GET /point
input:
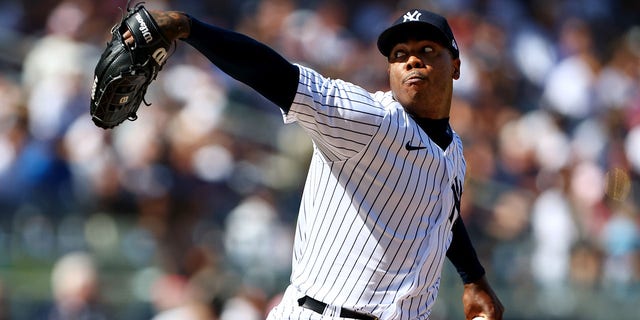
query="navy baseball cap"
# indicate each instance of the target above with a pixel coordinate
(418, 23)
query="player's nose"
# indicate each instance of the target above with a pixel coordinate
(414, 62)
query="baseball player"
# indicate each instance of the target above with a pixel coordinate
(381, 203)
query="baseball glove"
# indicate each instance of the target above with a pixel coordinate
(123, 73)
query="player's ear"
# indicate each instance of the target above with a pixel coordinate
(455, 74)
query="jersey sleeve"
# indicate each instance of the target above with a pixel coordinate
(340, 117)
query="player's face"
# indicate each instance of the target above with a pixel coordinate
(421, 74)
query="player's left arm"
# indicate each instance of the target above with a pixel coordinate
(478, 298)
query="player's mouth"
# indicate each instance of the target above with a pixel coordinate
(413, 77)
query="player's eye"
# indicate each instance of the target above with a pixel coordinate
(399, 54)
(428, 49)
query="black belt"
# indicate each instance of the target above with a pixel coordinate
(319, 307)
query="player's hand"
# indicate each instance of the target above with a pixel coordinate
(174, 25)
(479, 300)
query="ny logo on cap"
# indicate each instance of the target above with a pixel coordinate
(415, 16)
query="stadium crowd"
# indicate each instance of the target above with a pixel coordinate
(188, 212)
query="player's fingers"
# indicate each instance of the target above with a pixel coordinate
(128, 38)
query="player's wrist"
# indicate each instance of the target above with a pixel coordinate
(472, 272)
(184, 25)
(480, 282)
(174, 24)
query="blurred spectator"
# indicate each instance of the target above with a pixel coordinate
(174, 300)
(257, 244)
(76, 289)
(569, 85)
(249, 304)
(54, 75)
(586, 265)
(621, 239)
(554, 233)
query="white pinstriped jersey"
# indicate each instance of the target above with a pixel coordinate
(378, 204)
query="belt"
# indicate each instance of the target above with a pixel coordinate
(319, 307)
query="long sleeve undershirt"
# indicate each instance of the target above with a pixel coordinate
(271, 75)
(247, 61)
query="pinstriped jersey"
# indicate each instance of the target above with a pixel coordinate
(378, 203)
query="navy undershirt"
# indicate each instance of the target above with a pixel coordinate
(438, 130)
(275, 78)
(247, 61)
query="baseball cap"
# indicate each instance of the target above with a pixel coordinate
(421, 23)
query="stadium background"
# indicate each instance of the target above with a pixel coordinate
(194, 203)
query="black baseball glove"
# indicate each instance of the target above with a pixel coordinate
(124, 72)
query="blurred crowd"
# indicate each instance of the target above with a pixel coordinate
(188, 212)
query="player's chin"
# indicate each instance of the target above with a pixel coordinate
(415, 95)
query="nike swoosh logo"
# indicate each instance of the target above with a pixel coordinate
(409, 147)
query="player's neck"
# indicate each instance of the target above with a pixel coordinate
(438, 130)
